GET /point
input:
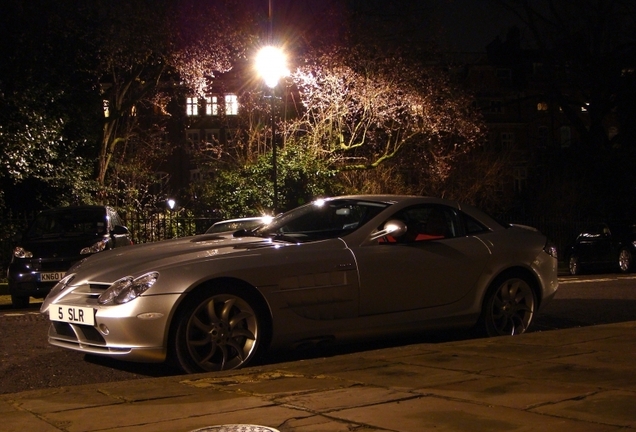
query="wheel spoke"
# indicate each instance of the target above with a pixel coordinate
(243, 333)
(227, 309)
(200, 325)
(238, 318)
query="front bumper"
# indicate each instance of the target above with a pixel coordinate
(135, 331)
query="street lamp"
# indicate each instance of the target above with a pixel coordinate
(271, 64)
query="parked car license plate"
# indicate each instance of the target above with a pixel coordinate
(72, 314)
(50, 276)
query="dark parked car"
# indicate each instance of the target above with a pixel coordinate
(603, 247)
(57, 239)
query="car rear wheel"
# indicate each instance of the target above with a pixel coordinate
(625, 260)
(216, 331)
(509, 306)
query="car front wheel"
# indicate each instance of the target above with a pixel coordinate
(216, 331)
(509, 306)
(574, 266)
(625, 261)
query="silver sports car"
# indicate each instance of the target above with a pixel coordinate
(337, 270)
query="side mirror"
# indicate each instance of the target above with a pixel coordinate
(394, 227)
(120, 230)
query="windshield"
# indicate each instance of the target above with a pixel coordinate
(68, 223)
(321, 219)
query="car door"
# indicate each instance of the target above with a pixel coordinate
(427, 268)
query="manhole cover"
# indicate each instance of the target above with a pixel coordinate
(236, 428)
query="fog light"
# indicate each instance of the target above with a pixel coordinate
(103, 329)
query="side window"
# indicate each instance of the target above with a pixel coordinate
(114, 219)
(472, 226)
(426, 222)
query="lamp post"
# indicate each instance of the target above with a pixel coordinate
(271, 65)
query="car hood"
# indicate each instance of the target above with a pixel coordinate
(135, 260)
(59, 246)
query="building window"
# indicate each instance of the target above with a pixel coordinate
(231, 104)
(233, 136)
(192, 106)
(507, 140)
(194, 139)
(195, 175)
(542, 106)
(566, 136)
(212, 105)
(543, 136)
(212, 136)
(106, 108)
(504, 76)
(520, 176)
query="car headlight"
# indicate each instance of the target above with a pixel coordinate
(20, 252)
(127, 289)
(97, 247)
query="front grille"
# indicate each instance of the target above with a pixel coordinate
(76, 333)
(86, 293)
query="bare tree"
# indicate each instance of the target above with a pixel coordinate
(363, 108)
(143, 45)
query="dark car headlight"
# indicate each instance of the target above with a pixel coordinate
(127, 289)
(20, 252)
(97, 247)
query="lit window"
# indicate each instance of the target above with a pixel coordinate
(231, 104)
(106, 108)
(212, 105)
(542, 106)
(192, 106)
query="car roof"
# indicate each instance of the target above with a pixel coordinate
(78, 207)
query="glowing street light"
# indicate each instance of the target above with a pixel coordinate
(271, 64)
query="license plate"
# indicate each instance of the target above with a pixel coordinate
(72, 314)
(50, 276)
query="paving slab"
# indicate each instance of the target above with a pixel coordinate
(440, 415)
(579, 379)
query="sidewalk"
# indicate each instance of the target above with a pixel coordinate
(580, 379)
